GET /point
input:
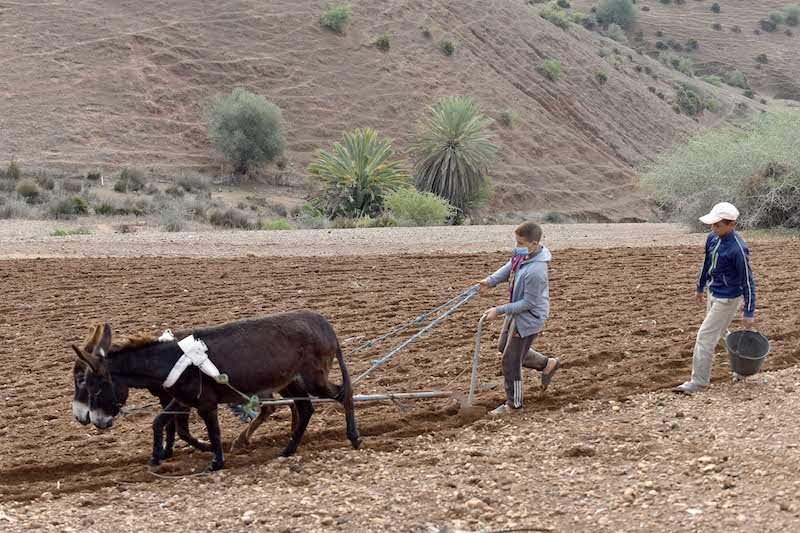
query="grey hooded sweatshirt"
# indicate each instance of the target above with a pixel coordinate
(530, 302)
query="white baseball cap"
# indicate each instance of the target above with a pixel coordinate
(721, 211)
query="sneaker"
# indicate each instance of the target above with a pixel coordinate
(549, 371)
(689, 388)
(500, 411)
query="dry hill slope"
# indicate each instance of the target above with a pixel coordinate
(104, 84)
(735, 46)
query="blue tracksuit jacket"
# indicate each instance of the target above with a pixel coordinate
(726, 270)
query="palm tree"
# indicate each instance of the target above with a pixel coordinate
(453, 151)
(356, 176)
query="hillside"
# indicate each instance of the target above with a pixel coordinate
(735, 45)
(104, 84)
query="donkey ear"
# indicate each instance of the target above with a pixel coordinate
(87, 358)
(104, 343)
(93, 338)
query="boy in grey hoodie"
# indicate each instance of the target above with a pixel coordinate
(526, 312)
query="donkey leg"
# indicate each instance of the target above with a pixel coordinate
(209, 416)
(243, 440)
(169, 445)
(343, 394)
(182, 427)
(300, 423)
(158, 433)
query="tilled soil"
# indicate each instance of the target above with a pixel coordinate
(623, 323)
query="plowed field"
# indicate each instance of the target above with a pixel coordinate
(623, 322)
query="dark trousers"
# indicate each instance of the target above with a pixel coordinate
(517, 353)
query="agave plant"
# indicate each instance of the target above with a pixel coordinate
(453, 150)
(357, 175)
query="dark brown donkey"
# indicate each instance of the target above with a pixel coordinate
(290, 353)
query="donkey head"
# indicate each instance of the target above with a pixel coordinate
(97, 398)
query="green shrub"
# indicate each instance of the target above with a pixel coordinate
(757, 168)
(172, 220)
(716, 81)
(690, 99)
(46, 182)
(140, 206)
(278, 224)
(68, 232)
(337, 18)
(777, 17)
(551, 69)
(584, 20)
(382, 42)
(357, 175)
(68, 208)
(601, 77)
(712, 105)
(230, 218)
(563, 4)
(426, 32)
(734, 78)
(28, 190)
(247, 129)
(344, 223)
(309, 217)
(129, 180)
(16, 209)
(615, 32)
(620, 12)
(692, 45)
(792, 13)
(763, 101)
(193, 183)
(716, 26)
(715, 8)
(414, 208)
(175, 191)
(749, 93)
(453, 150)
(762, 59)
(447, 47)
(94, 175)
(555, 15)
(13, 171)
(768, 25)
(604, 52)
(509, 119)
(110, 207)
(681, 64)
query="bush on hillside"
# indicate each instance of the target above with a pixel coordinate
(691, 99)
(555, 15)
(382, 42)
(414, 208)
(129, 180)
(716, 26)
(247, 129)
(68, 208)
(448, 47)
(734, 78)
(70, 185)
(337, 18)
(757, 169)
(12, 171)
(563, 4)
(601, 77)
(692, 45)
(768, 25)
(230, 218)
(792, 13)
(193, 183)
(716, 8)
(616, 33)
(550, 68)
(508, 119)
(716, 81)
(620, 12)
(28, 190)
(762, 59)
(681, 64)
(777, 17)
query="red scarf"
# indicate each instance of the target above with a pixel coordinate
(516, 261)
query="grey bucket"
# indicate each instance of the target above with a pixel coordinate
(747, 349)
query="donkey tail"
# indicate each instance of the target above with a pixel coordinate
(346, 392)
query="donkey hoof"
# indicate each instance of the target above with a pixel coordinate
(215, 465)
(153, 465)
(240, 445)
(167, 454)
(357, 443)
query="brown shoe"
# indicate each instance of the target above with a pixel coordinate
(553, 364)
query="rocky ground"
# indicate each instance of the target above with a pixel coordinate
(723, 461)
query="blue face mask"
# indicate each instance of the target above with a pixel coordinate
(521, 250)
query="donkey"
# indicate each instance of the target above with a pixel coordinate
(82, 412)
(290, 353)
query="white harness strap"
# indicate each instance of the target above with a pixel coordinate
(195, 352)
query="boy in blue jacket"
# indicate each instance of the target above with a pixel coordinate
(727, 275)
(526, 312)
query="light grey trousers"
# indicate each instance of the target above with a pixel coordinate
(720, 312)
